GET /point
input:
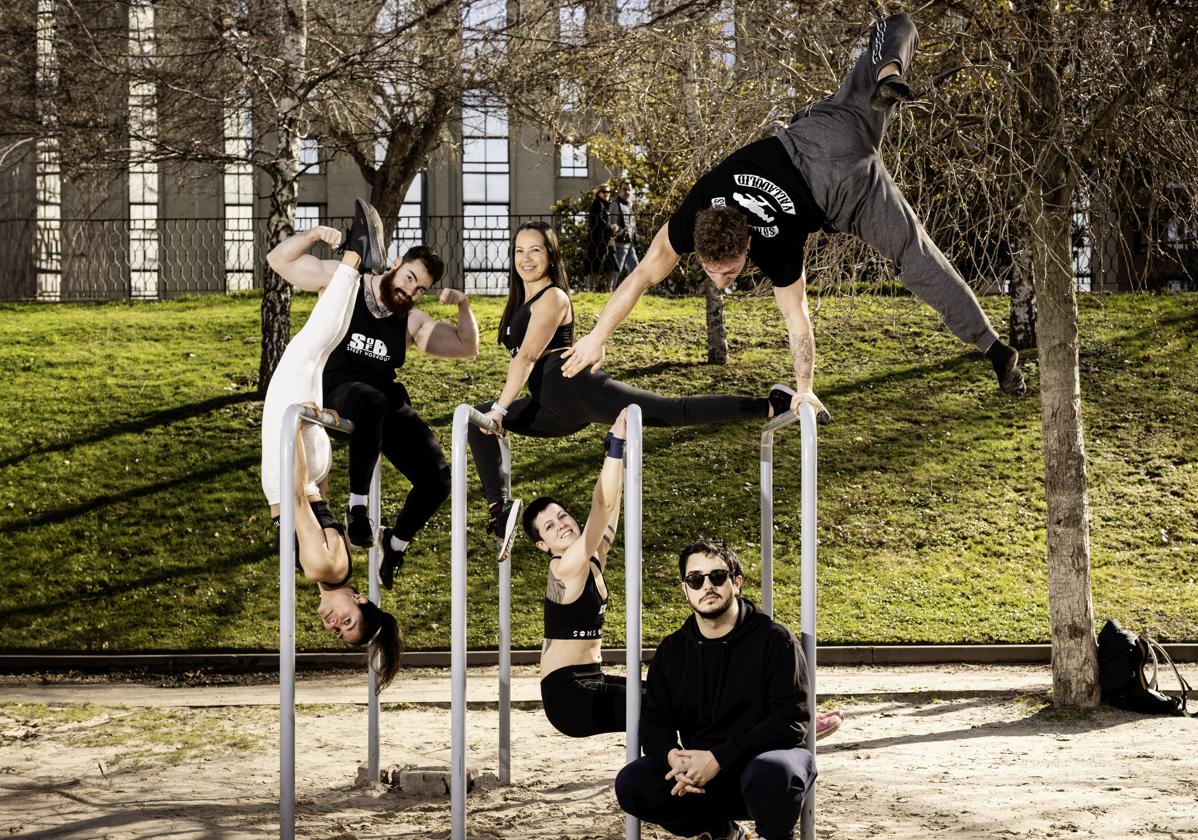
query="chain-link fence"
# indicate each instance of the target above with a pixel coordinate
(115, 259)
(97, 260)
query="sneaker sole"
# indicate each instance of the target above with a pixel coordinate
(820, 734)
(778, 386)
(374, 234)
(509, 531)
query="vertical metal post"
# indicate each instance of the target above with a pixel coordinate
(457, 759)
(767, 523)
(287, 625)
(372, 699)
(767, 508)
(505, 636)
(633, 460)
(809, 462)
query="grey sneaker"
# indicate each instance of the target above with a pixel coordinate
(733, 831)
(365, 238)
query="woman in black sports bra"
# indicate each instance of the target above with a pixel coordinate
(578, 698)
(536, 325)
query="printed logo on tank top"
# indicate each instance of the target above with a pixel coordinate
(375, 348)
(587, 634)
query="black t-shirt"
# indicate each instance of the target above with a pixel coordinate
(762, 182)
(371, 350)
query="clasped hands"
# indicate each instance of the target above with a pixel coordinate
(690, 770)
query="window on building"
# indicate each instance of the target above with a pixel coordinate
(308, 216)
(47, 254)
(143, 171)
(574, 162)
(485, 198)
(239, 202)
(1083, 252)
(309, 157)
(633, 12)
(572, 18)
(409, 228)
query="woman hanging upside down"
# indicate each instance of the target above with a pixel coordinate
(322, 550)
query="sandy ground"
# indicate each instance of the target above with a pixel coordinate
(907, 764)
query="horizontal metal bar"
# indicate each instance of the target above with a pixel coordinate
(328, 419)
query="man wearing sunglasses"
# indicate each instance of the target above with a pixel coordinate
(724, 714)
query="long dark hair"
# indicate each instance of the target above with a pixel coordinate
(384, 641)
(515, 286)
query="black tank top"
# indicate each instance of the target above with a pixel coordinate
(371, 350)
(513, 337)
(582, 618)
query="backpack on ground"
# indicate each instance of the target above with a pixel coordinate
(1122, 659)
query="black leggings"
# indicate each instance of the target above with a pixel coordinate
(384, 421)
(559, 406)
(581, 700)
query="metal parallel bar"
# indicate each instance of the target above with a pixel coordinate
(287, 624)
(767, 507)
(462, 415)
(457, 659)
(633, 462)
(372, 699)
(505, 636)
(292, 415)
(808, 574)
(321, 417)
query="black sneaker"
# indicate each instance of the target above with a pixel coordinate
(779, 399)
(392, 561)
(365, 238)
(358, 527)
(1006, 367)
(889, 91)
(502, 524)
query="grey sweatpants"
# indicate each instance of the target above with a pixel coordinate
(835, 145)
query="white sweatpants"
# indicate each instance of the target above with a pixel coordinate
(298, 377)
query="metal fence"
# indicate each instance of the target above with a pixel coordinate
(109, 259)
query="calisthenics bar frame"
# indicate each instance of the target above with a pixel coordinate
(295, 414)
(465, 415)
(809, 461)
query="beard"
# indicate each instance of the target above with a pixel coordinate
(714, 612)
(389, 295)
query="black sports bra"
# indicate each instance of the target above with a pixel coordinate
(513, 337)
(582, 618)
(327, 520)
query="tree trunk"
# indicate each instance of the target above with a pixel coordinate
(276, 292)
(1074, 648)
(1023, 294)
(290, 16)
(717, 337)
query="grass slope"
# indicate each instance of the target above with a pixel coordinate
(132, 517)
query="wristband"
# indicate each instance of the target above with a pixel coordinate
(614, 446)
(498, 409)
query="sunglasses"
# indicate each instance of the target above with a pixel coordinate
(718, 578)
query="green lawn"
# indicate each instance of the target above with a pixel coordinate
(132, 517)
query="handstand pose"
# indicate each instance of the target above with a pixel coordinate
(322, 552)
(538, 323)
(825, 169)
(359, 381)
(579, 699)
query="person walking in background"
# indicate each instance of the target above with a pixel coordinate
(599, 236)
(622, 221)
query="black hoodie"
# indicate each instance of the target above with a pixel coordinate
(737, 696)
